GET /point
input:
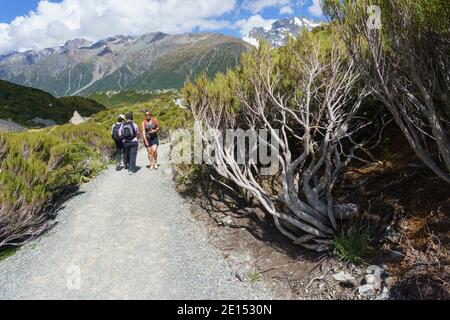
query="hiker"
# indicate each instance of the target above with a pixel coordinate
(119, 154)
(130, 135)
(150, 127)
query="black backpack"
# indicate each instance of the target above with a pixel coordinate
(115, 132)
(128, 131)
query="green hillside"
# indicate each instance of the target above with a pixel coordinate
(218, 54)
(22, 104)
(112, 99)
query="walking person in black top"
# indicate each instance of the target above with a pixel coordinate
(150, 127)
(119, 154)
(130, 136)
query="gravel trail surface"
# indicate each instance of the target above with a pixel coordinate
(124, 237)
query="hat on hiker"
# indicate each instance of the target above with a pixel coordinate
(122, 117)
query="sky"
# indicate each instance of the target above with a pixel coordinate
(38, 24)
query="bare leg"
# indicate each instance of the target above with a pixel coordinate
(150, 155)
(155, 155)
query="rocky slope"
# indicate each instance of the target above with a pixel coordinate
(10, 126)
(151, 61)
(277, 34)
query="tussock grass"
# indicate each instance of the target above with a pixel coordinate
(353, 245)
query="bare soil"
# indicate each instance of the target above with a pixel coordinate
(408, 207)
(254, 248)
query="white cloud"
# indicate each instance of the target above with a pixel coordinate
(245, 25)
(53, 23)
(286, 10)
(315, 8)
(256, 6)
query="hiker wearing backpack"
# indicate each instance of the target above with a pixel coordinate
(130, 135)
(119, 154)
(150, 127)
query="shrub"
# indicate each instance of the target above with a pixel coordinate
(36, 166)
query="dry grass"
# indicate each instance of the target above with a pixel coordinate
(426, 263)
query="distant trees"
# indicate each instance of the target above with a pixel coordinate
(307, 97)
(406, 64)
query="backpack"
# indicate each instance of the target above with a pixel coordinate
(115, 132)
(128, 131)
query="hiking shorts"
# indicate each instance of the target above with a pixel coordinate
(152, 141)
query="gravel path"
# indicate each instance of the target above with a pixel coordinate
(124, 237)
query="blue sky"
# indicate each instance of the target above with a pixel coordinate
(11, 9)
(36, 24)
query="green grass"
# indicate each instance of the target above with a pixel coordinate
(113, 99)
(254, 277)
(6, 253)
(354, 245)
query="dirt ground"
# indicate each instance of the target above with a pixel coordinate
(411, 206)
(408, 207)
(257, 252)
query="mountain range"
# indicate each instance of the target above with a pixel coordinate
(277, 33)
(150, 61)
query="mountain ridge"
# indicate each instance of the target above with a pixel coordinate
(277, 33)
(121, 62)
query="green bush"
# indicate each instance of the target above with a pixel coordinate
(36, 166)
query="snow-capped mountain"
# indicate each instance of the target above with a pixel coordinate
(150, 61)
(277, 33)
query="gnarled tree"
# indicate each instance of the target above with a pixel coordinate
(405, 61)
(307, 99)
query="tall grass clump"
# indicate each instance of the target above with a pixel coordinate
(37, 166)
(354, 245)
